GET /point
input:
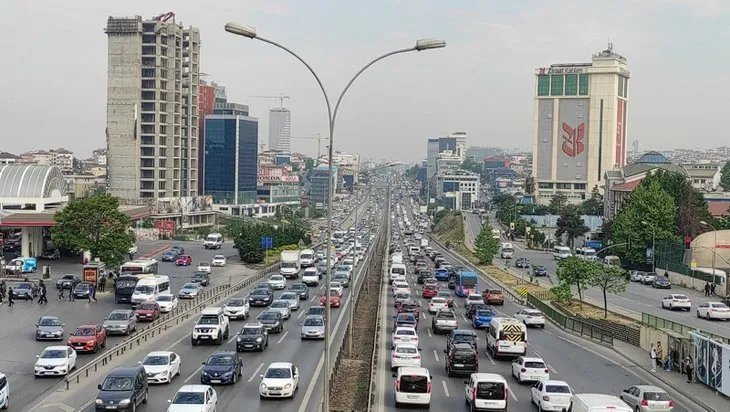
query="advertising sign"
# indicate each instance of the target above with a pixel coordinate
(91, 275)
(573, 141)
(712, 361)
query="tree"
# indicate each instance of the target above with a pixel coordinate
(691, 206)
(576, 272)
(570, 223)
(472, 166)
(247, 236)
(725, 176)
(486, 246)
(558, 203)
(94, 223)
(593, 205)
(610, 279)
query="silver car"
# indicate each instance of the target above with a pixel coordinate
(49, 328)
(292, 298)
(120, 322)
(282, 306)
(647, 398)
(313, 327)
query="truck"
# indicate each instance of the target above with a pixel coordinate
(424, 243)
(507, 251)
(290, 264)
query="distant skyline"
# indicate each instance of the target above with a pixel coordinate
(54, 87)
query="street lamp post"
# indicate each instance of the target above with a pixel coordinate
(653, 245)
(421, 45)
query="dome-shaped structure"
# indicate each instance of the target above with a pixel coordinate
(654, 158)
(30, 181)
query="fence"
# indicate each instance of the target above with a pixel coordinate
(660, 323)
(379, 327)
(571, 324)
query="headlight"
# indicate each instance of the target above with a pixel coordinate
(99, 401)
(263, 386)
(287, 386)
(259, 339)
(238, 339)
(124, 402)
(204, 373)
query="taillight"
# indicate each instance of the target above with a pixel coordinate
(417, 357)
(473, 393)
(506, 394)
(671, 403)
(644, 402)
(396, 356)
(547, 370)
(523, 370)
(397, 385)
(429, 387)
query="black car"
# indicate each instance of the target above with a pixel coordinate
(405, 319)
(82, 290)
(260, 297)
(461, 358)
(300, 289)
(422, 276)
(272, 320)
(522, 263)
(253, 336)
(51, 254)
(170, 255)
(539, 271)
(202, 278)
(68, 282)
(661, 282)
(264, 285)
(221, 368)
(461, 336)
(128, 385)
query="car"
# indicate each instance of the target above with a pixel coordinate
(525, 369)
(522, 263)
(636, 275)
(252, 336)
(482, 317)
(411, 307)
(222, 368)
(444, 320)
(124, 388)
(400, 298)
(313, 327)
(487, 391)
(177, 248)
(82, 290)
(431, 282)
(473, 299)
(412, 387)
(648, 278)
(676, 301)
(49, 328)
(493, 297)
(473, 308)
(461, 336)
(334, 299)
(405, 319)
(317, 310)
(448, 296)
(87, 338)
(51, 254)
(237, 308)
(292, 298)
(184, 260)
(539, 271)
(404, 355)
(68, 281)
(147, 311)
(713, 310)
(280, 380)
(400, 286)
(531, 317)
(189, 291)
(461, 358)
(283, 307)
(404, 334)
(167, 302)
(441, 274)
(260, 297)
(335, 285)
(552, 395)
(203, 278)
(661, 282)
(300, 289)
(55, 361)
(194, 398)
(4, 391)
(430, 291)
(161, 366)
(203, 267)
(219, 261)
(25, 290)
(422, 276)
(645, 398)
(437, 303)
(120, 321)
(264, 285)
(278, 282)
(212, 327)
(171, 255)
(311, 276)
(342, 278)
(272, 320)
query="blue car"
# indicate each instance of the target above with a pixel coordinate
(482, 318)
(441, 274)
(540, 271)
(221, 368)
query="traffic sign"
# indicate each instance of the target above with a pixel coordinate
(693, 264)
(267, 242)
(523, 292)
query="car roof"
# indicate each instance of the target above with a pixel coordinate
(650, 388)
(253, 325)
(124, 371)
(160, 353)
(280, 365)
(463, 345)
(413, 370)
(526, 359)
(86, 325)
(57, 347)
(480, 377)
(193, 388)
(463, 332)
(555, 382)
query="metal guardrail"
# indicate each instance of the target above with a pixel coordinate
(660, 323)
(378, 327)
(569, 323)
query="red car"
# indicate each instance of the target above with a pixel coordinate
(148, 311)
(430, 291)
(184, 260)
(334, 300)
(87, 338)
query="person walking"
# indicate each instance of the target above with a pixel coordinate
(60, 294)
(71, 296)
(10, 297)
(659, 354)
(689, 368)
(707, 288)
(43, 295)
(652, 356)
(102, 284)
(713, 285)
(92, 293)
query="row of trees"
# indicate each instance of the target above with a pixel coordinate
(577, 274)
(247, 235)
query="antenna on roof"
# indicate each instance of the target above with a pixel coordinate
(610, 46)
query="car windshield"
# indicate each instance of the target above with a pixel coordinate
(533, 313)
(413, 384)
(557, 389)
(289, 296)
(438, 300)
(406, 317)
(220, 360)
(219, 257)
(208, 320)
(53, 354)
(405, 332)
(279, 304)
(156, 360)
(276, 278)
(444, 294)
(117, 383)
(297, 287)
(535, 365)
(278, 373)
(237, 302)
(147, 306)
(475, 298)
(250, 331)
(316, 310)
(313, 322)
(189, 286)
(189, 398)
(84, 332)
(678, 297)
(118, 316)
(269, 315)
(334, 292)
(144, 289)
(661, 279)
(68, 277)
(463, 337)
(164, 298)
(49, 322)
(80, 286)
(203, 264)
(260, 292)
(491, 390)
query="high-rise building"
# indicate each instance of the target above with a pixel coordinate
(581, 124)
(152, 107)
(231, 148)
(280, 130)
(206, 104)
(319, 184)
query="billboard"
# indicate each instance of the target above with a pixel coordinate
(573, 143)
(712, 363)
(544, 164)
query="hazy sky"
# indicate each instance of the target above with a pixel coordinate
(54, 65)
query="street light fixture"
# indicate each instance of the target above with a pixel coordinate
(421, 45)
(653, 244)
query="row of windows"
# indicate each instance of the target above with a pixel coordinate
(571, 84)
(623, 86)
(565, 186)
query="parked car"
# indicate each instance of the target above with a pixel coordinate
(68, 281)
(661, 282)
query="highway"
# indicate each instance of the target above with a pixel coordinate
(286, 346)
(636, 299)
(588, 367)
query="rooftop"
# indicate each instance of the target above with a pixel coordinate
(31, 181)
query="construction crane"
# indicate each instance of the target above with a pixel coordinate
(165, 17)
(318, 138)
(280, 97)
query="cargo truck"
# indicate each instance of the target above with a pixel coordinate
(290, 264)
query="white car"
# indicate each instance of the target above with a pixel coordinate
(338, 287)
(218, 261)
(473, 299)
(194, 398)
(280, 380)
(405, 354)
(713, 310)
(4, 391)
(237, 308)
(282, 306)
(167, 302)
(278, 282)
(676, 301)
(161, 366)
(526, 369)
(310, 277)
(552, 395)
(404, 334)
(436, 303)
(203, 267)
(400, 286)
(636, 275)
(647, 278)
(293, 300)
(531, 317)
(55, 361)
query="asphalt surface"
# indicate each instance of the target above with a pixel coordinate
(286, 346)
(588, 367)
(636, 299)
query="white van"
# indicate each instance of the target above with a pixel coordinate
(486, 392)
(412, 386)
(396, 258)
(507, 251)
(561, 252)
(150, 288)
(598, 402)
(506, 337)
(414, 250)
(397, 272)
(306, 258)
(4, 392)
(586, 253)
(213, 241)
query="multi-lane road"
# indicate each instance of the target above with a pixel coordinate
(636, 299)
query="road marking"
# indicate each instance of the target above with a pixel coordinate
(233, 338)
(512, 394)
(313, 298)
(282, 337)
(299, 316)
(446, 389)
(456, 305)
(193, 374)
(425, 316)
(490, 358)
(436, 355)
(255, 373)
(537, 355)
(464, 316)
(552, 368)
(169, 348)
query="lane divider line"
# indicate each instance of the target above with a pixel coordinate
(281, 339)
(446, 388)
(192, 375)
(255, 373)
(436, 355)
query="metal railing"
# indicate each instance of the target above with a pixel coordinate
(378, 327)
(570, 323)
(660, 323)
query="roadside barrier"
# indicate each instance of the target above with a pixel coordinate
(379, 328)
(569, 323)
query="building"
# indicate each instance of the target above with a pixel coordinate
(458, 189)
(280, 130)
(64, 159)
(581, 124)
(206, 104)
(319, 184)
(277, 184)
(152, 107)
(479, 153)
(447, 161)
(98, 157)
(9, 158)
(704, 177)
(231, 147)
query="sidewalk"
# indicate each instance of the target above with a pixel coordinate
(697, 392)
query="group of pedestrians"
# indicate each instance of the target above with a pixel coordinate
(671, 361)
(42, 293)
(710, 288)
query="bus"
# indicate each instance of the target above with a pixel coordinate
(506, 337)
(466, 284)
(125, 285)
(139, 267)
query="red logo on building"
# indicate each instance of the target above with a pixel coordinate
(573, 139)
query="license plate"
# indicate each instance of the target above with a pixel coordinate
(111, 407)
(204, 337)
(215, 381)
(412, 397)
(248, 346)
(458, 365)
(275, 393)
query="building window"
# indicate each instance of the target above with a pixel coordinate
(147, 151)
(571, 84)
(161, 185)
(626, 87)
(584, 79)
(163, 163)
(543, 85)
(620, 91)
(148, 140)
(147, 174)
(147, 163)
(556, 85)
(162, 174)
(544, 185)
(564, 186)
(149, 38)
(147, 185)
(579, 186)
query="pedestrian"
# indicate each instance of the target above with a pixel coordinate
(43, 295)
(713, 285)
(659, 354)
(102, 283)
(10, 297)
(707, 288)
(669, 363)
(689, 368)
(71, 296)
(92, 293)
(60, 294)
(652, 356)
